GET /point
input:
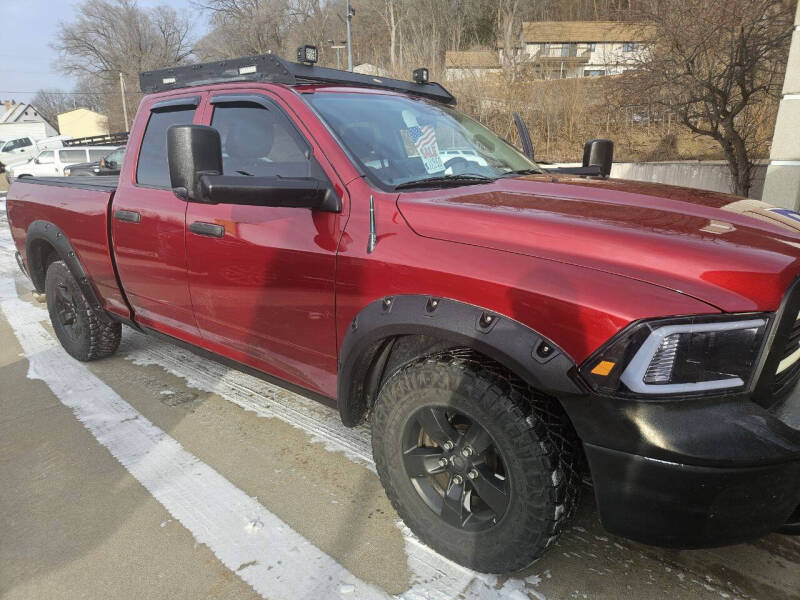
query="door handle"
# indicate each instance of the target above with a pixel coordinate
(128, 216)
(207, 229)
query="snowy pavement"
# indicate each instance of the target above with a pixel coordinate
(157, 473)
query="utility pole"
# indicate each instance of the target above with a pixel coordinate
(338, 46)
(124, 104)
(350, 13)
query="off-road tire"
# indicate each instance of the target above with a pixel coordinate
(532, 435)
(90, 338)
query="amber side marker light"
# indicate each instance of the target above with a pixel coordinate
(603, 368)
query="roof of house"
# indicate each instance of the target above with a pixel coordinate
(474, 59)
(13, 113)
(586, 31)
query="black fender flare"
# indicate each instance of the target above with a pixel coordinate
(525, 352)
(48, 232)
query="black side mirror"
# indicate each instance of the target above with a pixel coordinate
(296, 192)
(599, 153)
(192, 151)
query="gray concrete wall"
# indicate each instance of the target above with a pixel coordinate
(711, 175)
(782, 186)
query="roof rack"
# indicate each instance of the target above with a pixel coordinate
(274, 69)
(116, 139)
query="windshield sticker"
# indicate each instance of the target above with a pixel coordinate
(424, 138)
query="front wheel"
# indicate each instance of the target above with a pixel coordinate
(79, 328)
(472, 464)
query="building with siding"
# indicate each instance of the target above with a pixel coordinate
(562, 49)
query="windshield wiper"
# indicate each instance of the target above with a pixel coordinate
(460, 179)
(523, 172)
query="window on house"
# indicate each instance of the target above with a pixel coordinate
(594, 72)
(629, 47)
(592, 46)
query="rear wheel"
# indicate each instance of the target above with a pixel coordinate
(479, 471)
(77, 325)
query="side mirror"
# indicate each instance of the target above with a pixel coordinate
(192, 151)
(295, 192)
(599, 153)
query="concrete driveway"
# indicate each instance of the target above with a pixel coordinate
(158, 474)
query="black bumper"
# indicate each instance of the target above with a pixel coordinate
(692, 473)
(685, 506)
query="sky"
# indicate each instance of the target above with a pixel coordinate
(27, 27)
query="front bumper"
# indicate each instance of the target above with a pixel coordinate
(685, 506)
(692, 473)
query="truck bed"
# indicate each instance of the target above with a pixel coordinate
(104, 183)
(78, 207)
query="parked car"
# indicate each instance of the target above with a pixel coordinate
(21, 149)
(506, 331)
(51, 163)
(108, 165)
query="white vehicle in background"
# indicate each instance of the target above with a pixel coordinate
(19, 150)
(51, 163)
(467, 154)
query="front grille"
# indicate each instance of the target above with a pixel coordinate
(785, 380)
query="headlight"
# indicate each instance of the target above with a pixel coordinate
(692, 355)
(67, 172)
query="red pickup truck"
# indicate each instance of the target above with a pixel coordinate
(506, 331)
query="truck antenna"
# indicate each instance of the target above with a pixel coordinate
(373, 238)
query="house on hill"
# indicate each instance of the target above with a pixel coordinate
(563, 49)
(470, 64)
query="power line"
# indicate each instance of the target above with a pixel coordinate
(51, 92)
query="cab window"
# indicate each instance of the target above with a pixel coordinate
(259, 141)
(152, 169)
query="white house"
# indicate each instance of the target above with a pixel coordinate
(561, 49)
(21, 119)
(583, 48)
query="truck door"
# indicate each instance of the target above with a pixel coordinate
(148, 223)
(262, 278)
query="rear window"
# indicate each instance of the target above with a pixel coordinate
(152, 169)
(72, 156)
(95, 155)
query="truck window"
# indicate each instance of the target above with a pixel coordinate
(95, 155)
(72, 156)
(259, 141)
(46, 158)
(152, 169)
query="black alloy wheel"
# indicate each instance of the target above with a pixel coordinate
(456, 468)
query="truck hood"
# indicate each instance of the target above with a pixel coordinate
(733, 253)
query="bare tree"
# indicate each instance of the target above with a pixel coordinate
(51, 102)
(109, 37)
(509, 26)
(718, 65)
(113, 36)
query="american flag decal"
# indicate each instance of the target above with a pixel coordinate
(424, 139)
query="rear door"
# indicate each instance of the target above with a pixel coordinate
(262, 278)
(148, 222)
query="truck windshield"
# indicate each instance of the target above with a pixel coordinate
(402, 140)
